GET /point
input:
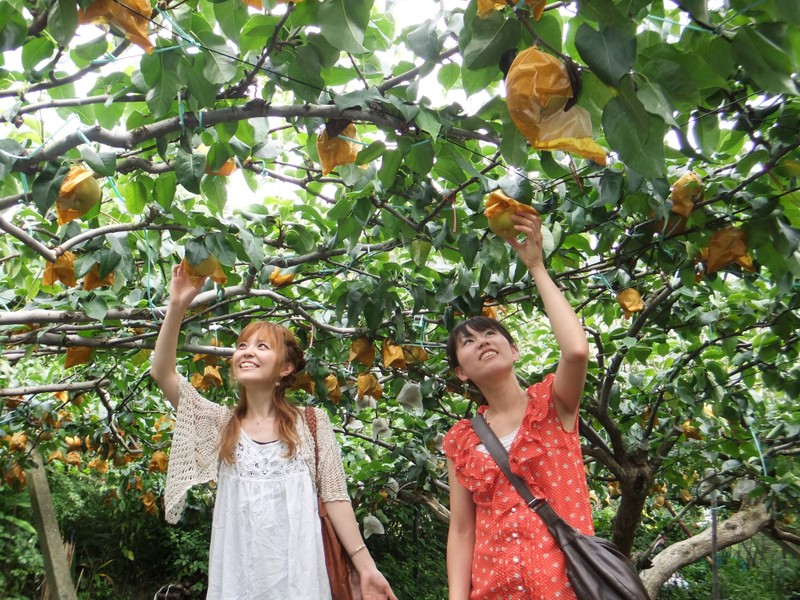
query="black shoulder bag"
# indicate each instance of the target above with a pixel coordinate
(596, 569)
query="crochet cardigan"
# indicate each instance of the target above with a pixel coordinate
(194, 458)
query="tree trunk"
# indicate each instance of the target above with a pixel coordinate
(741, 526)
(635, 490)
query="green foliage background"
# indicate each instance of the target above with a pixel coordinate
(702, 382)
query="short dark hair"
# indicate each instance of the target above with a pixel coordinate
(479, 324)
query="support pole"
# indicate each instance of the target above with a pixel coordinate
(56, 566)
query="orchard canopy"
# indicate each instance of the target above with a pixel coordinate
(328, 163)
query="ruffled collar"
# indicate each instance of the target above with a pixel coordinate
(478, 471)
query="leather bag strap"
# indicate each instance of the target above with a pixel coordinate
(500, 455)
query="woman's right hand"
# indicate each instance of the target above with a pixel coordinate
(183, 288)
(530, 249)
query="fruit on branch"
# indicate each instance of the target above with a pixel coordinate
(499, 210)
(78, 194)
(538, 95)
(686, 192)
(336, 149)
(631, 301)
(227, 169)
(208, 267)
(280, 278)
(129, 16)
(487, 7)
(333, 389)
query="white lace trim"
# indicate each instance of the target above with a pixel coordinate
(264, 461)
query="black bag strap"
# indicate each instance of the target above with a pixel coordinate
(500, 455)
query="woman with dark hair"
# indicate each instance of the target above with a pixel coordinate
(266, 542)
(497, 547)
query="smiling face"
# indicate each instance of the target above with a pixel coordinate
(479, 348)
(259, 356)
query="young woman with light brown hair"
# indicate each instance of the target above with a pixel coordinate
(266, 542)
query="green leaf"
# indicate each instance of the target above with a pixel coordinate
(189, 169)
(419, 251)
(420, 157)
(789, 11)
(610, 53)
(196, 250)
(326, 54)
(218, 155)
(705, 129)
(135, 195)
(343, 23)
(218, 245)
(108, 262)
(257, 32)
(612, 184)
(304, 77)
(429, 122)
(342, 209)
(468, 246)
(231, 17)
(513, 145)
(516, 186)
(164, 189)
(358, 98)
(62, 21)
(85, 53)
(390, 165)
(487, 41)
(253, 246)
(635, 135)
(655, 101)
(765, 53)
(104, 163)
(159, 74)
(47, 185)
(203, 91)
(215, 191)
(218, 67)
(10, 148)
(603, 11)
(698, 9)
(477, 80)
(95, 308)
(448, 75)
(373, 151)
(425, 42)
(34, 51)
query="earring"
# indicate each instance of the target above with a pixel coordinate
(278, 383)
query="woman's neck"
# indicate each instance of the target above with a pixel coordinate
(507, 405)
(260, 404)
(505, 396)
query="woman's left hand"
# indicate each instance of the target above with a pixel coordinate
(374, 586)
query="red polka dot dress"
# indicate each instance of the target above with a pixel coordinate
(515, 557)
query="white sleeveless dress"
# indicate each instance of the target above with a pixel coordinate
(266, 542)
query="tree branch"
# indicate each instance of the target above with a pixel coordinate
(78, 386)
(36, 246)
(252, 110)
(741, 526)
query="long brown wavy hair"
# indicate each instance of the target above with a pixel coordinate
(288, 352)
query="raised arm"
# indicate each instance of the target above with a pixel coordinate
(182, 290)
(571, 339)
